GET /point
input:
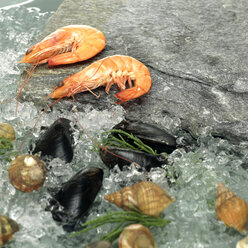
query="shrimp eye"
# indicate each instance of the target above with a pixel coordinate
(60, 84)
(28, 51)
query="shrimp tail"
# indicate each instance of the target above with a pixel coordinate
(129, 94)
(142, 86)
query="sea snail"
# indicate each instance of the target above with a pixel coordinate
(148, 197)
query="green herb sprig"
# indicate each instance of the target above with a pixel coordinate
(123, 219)
(121, 142)
(5, 149)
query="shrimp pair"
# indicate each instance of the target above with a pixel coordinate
(77, 43)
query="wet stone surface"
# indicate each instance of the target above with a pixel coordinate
(196, 52)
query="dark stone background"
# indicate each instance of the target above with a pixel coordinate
(195, 50)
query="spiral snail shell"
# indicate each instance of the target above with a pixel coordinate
(148, 197)
(230, 209)
(27, 173)
(136, 236)
(7, 228)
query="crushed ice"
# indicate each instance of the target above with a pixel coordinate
(193, 222)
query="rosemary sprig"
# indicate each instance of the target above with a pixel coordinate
(5, 147)
(123, 219)
(121, 142)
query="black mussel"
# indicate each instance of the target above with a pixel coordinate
(156, 138)
(72, 200)
(56, 141)
(145, 160)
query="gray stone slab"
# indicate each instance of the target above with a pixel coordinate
(196, 51)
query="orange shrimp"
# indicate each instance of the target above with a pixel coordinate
(66, 45)
(114, 69)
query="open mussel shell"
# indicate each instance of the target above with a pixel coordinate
(230, 209)
(72, 200)
(27, 173)
(148, 197)
(117, 154)
(99, 244)
(56, 141)
(7, 228)
(136, 236)
(158, 139)
(7, 131)
(243, 243)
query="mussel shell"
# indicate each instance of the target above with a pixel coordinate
(72, 200)
(151, 135)
(56, 141)
(145, 160)
(7, 228)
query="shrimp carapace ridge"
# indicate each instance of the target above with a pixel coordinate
(107, 71)
(66, 45)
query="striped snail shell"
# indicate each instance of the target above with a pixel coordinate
(7, 228)
(230, 209)
(136, 236)
(148, 197)
(27, 173)
(243, 243)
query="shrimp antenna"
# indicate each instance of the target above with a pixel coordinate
(25, 81)
(92, 140)
(44, 111)
(9, 100)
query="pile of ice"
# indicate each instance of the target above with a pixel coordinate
(193, 222)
